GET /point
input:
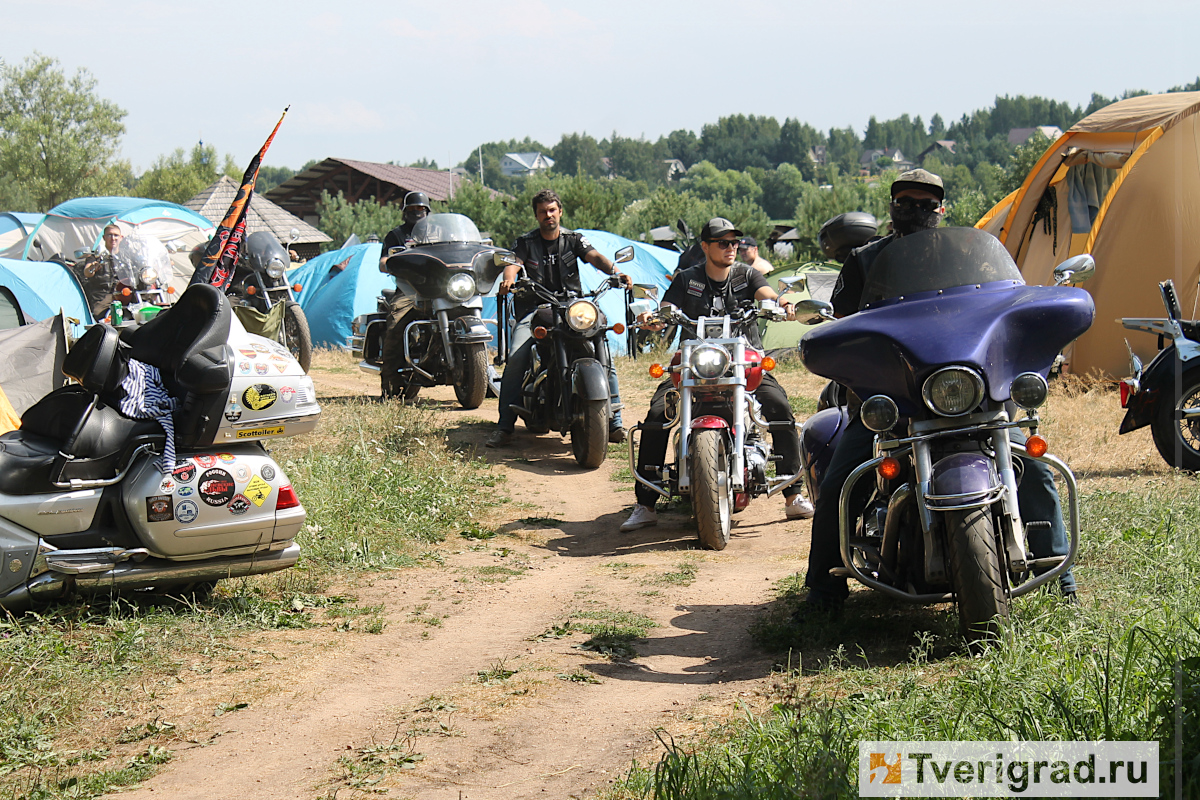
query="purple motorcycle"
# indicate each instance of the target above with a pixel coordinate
(949, 342)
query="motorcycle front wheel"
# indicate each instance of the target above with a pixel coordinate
(712, 491)
(472, 382)
(1178, 439)
(975, 572)
(589, 433)
(296, 336)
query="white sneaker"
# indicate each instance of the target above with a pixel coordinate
(642, 517)
(798, 507)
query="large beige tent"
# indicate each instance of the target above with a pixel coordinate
(1124, 185)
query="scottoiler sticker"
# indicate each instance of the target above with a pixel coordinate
(258, 490)
(160, 508)
(216, 487)
(254, 433)
(259, 397)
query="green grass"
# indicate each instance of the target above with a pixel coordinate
(1106, 669)
(613, 633)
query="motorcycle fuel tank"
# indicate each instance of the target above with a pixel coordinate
(219, 500)
(269, 395)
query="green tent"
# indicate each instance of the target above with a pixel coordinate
(821, 278)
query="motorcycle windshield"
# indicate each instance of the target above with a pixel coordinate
(263, 250)
(142, 262)
(942, 258)
(441, 228)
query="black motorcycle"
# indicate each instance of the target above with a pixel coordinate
(260, 283)
(567, 384)
(445, 271)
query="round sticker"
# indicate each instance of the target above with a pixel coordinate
(185, 472)
(268, 472)
(260, 396)
(244, 367)
(186, 511)
(287, 394)
(233, 413)
(185, 491)
(262, 348)
(261, 369)
(216, 487)
(205, 461)
(228, 458)
(167, 485)
(241, 473)
(239, 505)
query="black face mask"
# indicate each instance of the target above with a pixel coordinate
(908, 219)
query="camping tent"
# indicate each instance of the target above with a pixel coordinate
(336, 287)
(44, 288)
(1124, 185)
(16, 225)
(784, 335)
(80, 223)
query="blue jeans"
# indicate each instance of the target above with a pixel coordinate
(1037, 499)
(520, 358)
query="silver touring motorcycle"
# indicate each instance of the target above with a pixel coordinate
(150, 471)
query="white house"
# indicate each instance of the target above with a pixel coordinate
(524, 163)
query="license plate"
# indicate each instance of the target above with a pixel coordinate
(254, 433)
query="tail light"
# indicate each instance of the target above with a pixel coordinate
(1126, 393)
(287, 498)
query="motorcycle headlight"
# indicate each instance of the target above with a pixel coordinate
(953, 391)
(582, 315)
(275, 268)
(460, 287)
(709, 361)
(149, 277)
(1029, 390)
(879, 413)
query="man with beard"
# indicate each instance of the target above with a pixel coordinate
(917, 197)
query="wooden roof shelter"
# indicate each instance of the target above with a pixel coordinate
(359, 180)
(262, 215)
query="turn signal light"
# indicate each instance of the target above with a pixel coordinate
(1036, 446)
(539, 332)
(251, 290)
(768, 363)
(170, 290)
(125, 292)
(287, 498)
(889, 468)
(657, 371)
(297, 288)
(619, 328)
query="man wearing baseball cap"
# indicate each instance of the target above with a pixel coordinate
(748, 254)
(715, 288)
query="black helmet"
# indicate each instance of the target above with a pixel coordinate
(416, 199)
(843, 233)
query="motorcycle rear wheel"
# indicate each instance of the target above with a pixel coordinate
(712, 492)
(976, 573)
(589, 433)
(472, 384)
(296, 335)
(1178, 439)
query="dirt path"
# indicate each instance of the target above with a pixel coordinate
(566, 720)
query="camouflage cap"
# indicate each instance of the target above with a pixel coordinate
(919, 179)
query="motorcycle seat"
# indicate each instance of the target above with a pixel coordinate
(1190, 328)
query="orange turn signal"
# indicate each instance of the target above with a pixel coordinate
(297, 288)
(539, 332)
(1036, 446)
(889, 468)
(619, 328)
(657, 371)
(125, 292)
(251, 290)
(768, 363)
(170, 290)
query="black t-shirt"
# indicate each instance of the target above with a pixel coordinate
(553, 264)
(847, 294)
(397, 236)
(696, 294)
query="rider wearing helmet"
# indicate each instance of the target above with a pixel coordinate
(416, 208)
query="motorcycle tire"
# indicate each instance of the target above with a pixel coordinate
(393, 383)
(712, 492)
(296, 336)
(472, 384)
(589, 433)
(976, 573)
(1177, 439)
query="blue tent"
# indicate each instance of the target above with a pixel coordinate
(331, 299)
(42, 288)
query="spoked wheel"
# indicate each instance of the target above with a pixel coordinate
(976, 572)
(589, 433)
(296, 336)
(712, 491)
(1178, 437)
(472, 382)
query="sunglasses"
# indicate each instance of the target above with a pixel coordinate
(912, 202)
(724, 244)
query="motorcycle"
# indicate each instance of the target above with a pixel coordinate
(446, 270)
(260, 283)
(136, 287)
(720, 436)
(86, 504)
(949, 340)
(567, 383)
(1166, 394)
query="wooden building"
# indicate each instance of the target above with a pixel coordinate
(262, 215)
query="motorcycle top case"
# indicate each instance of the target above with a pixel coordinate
(269, 395)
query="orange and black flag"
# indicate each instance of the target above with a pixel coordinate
(221, 253)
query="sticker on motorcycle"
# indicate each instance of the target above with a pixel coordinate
(233, 413)
(268, 472)
(160, 508)
(281, 367)
(261, 369)
(262, 348)
(167, 486)
(185, 472)
(260, 396)
(185, 491)
(258, 490)
(228, 458)
(205, 461)
(254, 433)
(287, 394)
(244, 367)
(248, 353)
(239, 505)
(186, 512)
(241, 473)
(216, 487)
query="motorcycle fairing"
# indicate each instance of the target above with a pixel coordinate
(589, 379)
(1001, 329)
(819, 436)
(428, 268)
(18, 547)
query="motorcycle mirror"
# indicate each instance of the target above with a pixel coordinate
(645, 290)
(624, 254)
(1076, 269)
(503, 258)
(81, 252)
(394, 250)
(293, 235)
(815, 311)
(796, 283)
(683, 228)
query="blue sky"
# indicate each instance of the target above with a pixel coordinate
(383, 81)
